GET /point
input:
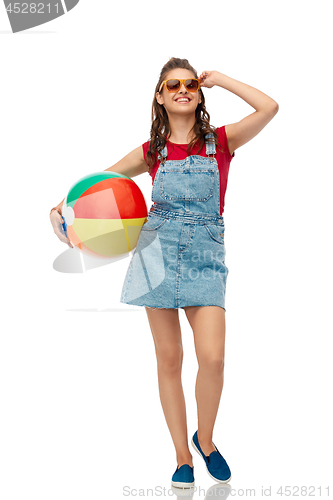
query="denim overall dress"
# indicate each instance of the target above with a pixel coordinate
(179, 259)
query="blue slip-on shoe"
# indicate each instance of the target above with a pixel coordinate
(216, 466)
(183, 477)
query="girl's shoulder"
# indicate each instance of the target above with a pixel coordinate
(145, 147)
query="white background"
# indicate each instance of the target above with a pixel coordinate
(80, 411)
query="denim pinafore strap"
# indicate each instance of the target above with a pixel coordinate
(189, 187)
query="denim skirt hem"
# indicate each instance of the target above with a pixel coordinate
(180, 307)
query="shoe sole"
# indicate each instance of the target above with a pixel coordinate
(182, 485)
(215, 478)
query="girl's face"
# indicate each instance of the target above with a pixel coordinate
(180, 102)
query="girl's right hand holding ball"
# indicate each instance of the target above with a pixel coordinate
(57, 222)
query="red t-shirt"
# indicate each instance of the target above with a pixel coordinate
(178, 152)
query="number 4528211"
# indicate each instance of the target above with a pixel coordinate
(32, 8)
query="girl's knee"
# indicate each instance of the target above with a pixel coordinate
(171, 360)
(212, 364)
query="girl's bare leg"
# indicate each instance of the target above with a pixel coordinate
(208, 325)
(165, 328)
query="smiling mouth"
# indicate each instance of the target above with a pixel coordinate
(183, 99)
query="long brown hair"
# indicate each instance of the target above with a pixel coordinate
(160, 127)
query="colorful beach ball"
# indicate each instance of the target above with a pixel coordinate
(104, 213)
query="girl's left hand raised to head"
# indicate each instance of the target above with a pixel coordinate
(243, 131)
(207, 79)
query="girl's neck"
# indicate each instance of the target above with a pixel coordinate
(180, 128)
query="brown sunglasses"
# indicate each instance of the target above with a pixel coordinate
(173, 85)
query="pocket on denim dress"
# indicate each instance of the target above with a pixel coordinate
(191, 184)
(215, 232)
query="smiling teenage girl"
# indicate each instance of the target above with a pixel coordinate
(179, 261)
